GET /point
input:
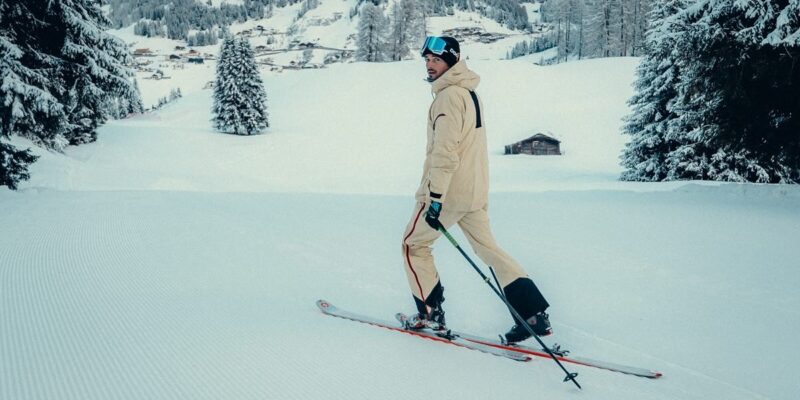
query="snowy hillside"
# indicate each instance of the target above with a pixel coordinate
(167, 261)
(285, 41)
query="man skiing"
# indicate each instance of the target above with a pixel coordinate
(454, 190)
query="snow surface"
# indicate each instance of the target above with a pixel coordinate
(167, 261)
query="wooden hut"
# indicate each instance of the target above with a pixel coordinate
(537, 145)
(142, 53)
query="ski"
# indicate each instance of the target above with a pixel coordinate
(561, 355)
(443, 337)
(496, 347)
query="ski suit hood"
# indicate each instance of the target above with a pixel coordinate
(457, 75)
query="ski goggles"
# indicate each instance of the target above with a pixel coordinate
(435, 44)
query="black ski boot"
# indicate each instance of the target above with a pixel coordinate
(430, 315)
(528, 301)
(540, 323)
(437, 315)
(434, 320)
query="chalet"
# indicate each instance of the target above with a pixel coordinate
(192, 52)
(537, 145)
(195, 60)
(174, 57)
(142, 53)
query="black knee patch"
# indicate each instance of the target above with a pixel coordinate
(525, 297)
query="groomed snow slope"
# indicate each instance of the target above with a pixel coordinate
(167, 261)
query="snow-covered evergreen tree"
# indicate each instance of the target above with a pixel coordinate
(605, 28)
(78, 63)
(734, 114)
(29, 85)
(203, 38)
(598, 28)
(94, 65)
(181, 16)
(635, 24)
(14, 165)
(787, 24)
(644, 157)
(507, 12)
(61, 75)
(307, 6)
(24, 106)
(371, 39)
(741, 94)
(149, 29)
(539, 43)
(407, 29)
(240, 101)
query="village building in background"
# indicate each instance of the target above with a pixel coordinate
(537, 145)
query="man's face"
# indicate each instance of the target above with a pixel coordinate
(435, 66)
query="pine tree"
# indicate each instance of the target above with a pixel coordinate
(787, 25)
(24, 106)
(598, 28)
(407, 28)
(28, 86)
(307, 6)
(223, 109)
(605, 28)
(741, 94)
(644, 157)
(93, 67)
(59, 48)
(734, 100)
(371, 39)
(240, 101)
(14, 165)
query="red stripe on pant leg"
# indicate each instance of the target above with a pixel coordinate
(408, 257)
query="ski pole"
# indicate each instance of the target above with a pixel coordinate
(497, 281)
(570, 375)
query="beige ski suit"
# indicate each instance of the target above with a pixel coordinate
(457, 167)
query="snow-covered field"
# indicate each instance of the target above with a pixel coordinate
(166, 261)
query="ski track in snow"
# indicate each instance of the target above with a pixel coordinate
(649, 359)
(158, 295)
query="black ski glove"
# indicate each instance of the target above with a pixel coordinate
(432, 216)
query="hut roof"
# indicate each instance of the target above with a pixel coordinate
(541, 138)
